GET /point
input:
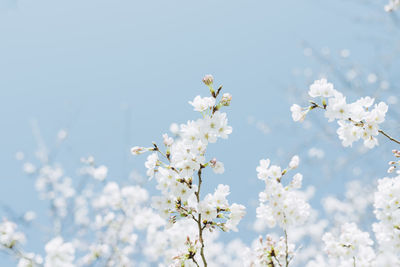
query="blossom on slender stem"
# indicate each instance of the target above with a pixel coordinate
(352, 248)
(59, 253)
(280, 205)
(357, 120)
(179, 171)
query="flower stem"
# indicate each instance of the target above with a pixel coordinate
(287, 249)
(199, 220)
(389, 137)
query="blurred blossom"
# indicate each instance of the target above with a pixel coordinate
(29, 216)
(263, 127)
(316, 153)
(351, 74)
(62, 135)
(384, 85)
(29, 168)
(344, 53)
(372, 78)
(174, 128)
(19, 155)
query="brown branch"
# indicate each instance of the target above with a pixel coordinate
(389, 137)
(199, 220)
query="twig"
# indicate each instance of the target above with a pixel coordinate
(199, 220)
(389, 137)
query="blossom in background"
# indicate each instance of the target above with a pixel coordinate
(59, 253)
(9, 236)
(352, 248)
(270, 252)
(392, 5)
(116, 225)
(386, 209)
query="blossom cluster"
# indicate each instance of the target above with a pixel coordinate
(109, 224)
(387, 211)
(184, 159)
(54, 186)
(90, 168)
(120, 217)
(392, 5)
(177, 248)
(279, 204)
(357, 120)
(116, 223)
(271, 252)
(351, 248)
(9, 236)
(59, 253)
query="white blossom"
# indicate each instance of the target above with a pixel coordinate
(201, 104)
(357, 120)
(321, 88)
(59, 253)
(352, 247)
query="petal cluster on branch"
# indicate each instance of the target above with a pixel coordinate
(357, 120)
(178, 171)
(351, 248)
(279, 204)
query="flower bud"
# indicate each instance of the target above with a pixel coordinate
(136, 150)
(208, 80)
(226, 99)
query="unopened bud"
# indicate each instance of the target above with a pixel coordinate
(226, 99)
(136, 150)
(208, 80)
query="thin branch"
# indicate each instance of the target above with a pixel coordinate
(315, 105)
(277, 260)
(286, 249)
(199, 220)
(194, 260)
(389, 137)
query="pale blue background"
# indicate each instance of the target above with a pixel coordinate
(117, 73)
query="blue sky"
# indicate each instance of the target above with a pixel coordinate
(117, 73)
